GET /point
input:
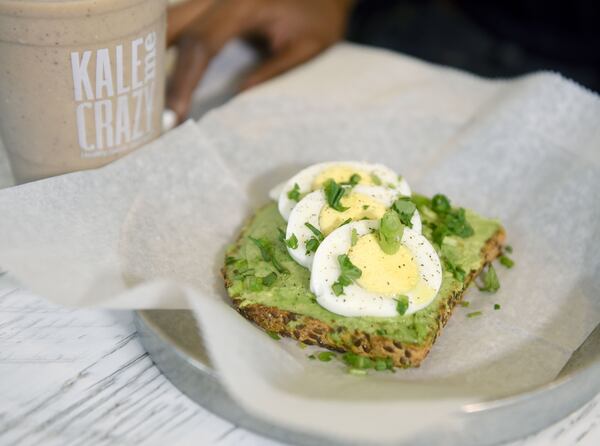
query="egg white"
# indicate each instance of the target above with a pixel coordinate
(309, 209)
(305, 178)
(357, 301)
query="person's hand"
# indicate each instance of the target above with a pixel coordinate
(293, 31)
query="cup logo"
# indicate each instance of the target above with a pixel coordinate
(114, 93)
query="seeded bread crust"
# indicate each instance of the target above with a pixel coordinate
(316, 332)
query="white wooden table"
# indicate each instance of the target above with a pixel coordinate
(70, 377)
(73, 377)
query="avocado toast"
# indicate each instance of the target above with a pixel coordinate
(271, 289)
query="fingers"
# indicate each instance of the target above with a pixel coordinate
(281, 62)
(192, 60)
(202, 39)
(182, 15)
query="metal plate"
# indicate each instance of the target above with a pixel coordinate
(172, 340)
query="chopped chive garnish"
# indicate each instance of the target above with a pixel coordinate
(496, 306)
(294, 193)
(318, 234)
(357, 372)
(269, 279)
(253, 283)
(274, 335)
(264, 246)
(278, 266)
(334, 193)
(357, 361)
(390, 232)
(507, 262)
(474, 314)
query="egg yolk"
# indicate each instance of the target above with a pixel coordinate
(359, 206)
(388, 274)
(341, 174)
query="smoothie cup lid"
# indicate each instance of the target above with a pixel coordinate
(63, 8)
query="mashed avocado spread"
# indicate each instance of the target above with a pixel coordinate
(289, 290)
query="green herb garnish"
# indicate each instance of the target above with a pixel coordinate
(348, 273)
(457, 272)
(440, 204)
(382, 364)
(376, 180)
(356, 361)
(253, 283)
(508, 249)
(230, 260)
(353, 181)
(457, 224)
(357, 372)
(274, 335)
(390, 232)
(264, 246)
(294, 193)
(474, 314)
(334, 193)
(448, 221)
(311, 245)
(506, 261)
(292, 242)
(490, 282)
(402, 304)
(496, 306)
(318, 234)
(269, 279)
(365, 207)
(353, 237)
(278, 266)
(405, 209)
(266, 252)
(464, 303)
(325, 356)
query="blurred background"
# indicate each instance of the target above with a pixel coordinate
(498, 38)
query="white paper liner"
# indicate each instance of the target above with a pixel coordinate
(149, 231)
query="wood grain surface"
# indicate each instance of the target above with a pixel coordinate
(73, 377)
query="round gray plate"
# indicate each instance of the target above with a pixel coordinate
(172, 340)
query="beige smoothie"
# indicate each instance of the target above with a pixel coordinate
(81, 81)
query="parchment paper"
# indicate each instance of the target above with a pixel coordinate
(149, 231)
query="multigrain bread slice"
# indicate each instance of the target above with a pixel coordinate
(288, 308)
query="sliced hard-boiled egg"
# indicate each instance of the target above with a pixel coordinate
(312, 218)
(412, 275)
(313, 178)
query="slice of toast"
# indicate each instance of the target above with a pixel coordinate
(288, 308)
